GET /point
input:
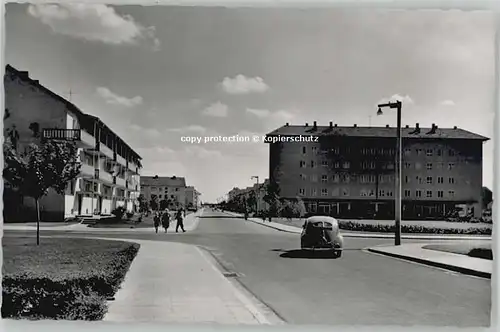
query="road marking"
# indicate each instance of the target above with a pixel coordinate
(259, 316)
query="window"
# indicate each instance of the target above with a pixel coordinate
(380, 179)
(324, 192)
(439, 152)
(451, 180)
(373, 179)
(345, 178)
(324, 178)
(314, 178)
(336, 178)
(160, 196)
(313, 164)
(440, 194)
(407, 165)
(176, 189)
(314, 149)
(429, 193)
(440, 180)
(419, 152)
(302, 164)
(451, 166)
(389, 193)
(418, 193)
(314, 192)
(302, 191)
(429, 166)
(407, 152)
(337, 164)
(372, 165)
(324, 163)
(407, 193)
(304, 150)
(347, 164)
(419, 179)
(345, 192)
(407, 179)
(429, 152)
(451, 193)
(429, 180)
(381, 193)
(451, 153)
(336, 150)
(363, 193)
(303, 177)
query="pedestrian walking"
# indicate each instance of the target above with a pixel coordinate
(165, 219)
(180, 221)
(156, 220)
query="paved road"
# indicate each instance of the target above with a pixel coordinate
(359, 288)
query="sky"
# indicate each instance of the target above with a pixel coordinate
(157, 74)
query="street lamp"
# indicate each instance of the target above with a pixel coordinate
(397, 105)
(258, 193)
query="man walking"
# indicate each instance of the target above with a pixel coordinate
(156, 220)
(180, 221)
(165, 219)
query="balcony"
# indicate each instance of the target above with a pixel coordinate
(120, 182)
(87, 171)
(121, 160)
(80, 137)
(106, 151)
(105, 176)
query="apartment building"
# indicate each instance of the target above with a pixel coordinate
(350, 171)
(192, 198)
(172, 189)
(258, 189)
(110, 169)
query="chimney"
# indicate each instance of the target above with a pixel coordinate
(355, 125)
(331, 124)
(454, 127)
(307, 124)
(433, 126)
(387, 126)
(335, 125)
(407, 126)
(417, 126)
(315, 124)
(286, 125)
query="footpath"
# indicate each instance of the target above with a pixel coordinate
(414, 252)
(190, 223)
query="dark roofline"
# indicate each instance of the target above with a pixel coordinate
(319, 129)
(70, 106)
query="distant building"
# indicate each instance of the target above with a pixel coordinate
(110, 169)
(350, 171)
(172, 189)
(192, 198)
(258, 190)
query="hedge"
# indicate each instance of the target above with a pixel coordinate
(83, 296)
(380, 228)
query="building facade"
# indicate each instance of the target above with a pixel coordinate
(172, 189)
(350, 171)
(110, 169)
(259, 190)
(192, 198)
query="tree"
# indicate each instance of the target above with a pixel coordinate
(50, 165)
(143, 204)
(153, 203)
(487, 197)
(163, 204)
(301, 208)
(252, 201)
(272, 197)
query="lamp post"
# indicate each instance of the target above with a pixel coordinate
(257, 194)
(397, 105)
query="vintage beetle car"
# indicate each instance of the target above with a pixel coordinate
(322, 233)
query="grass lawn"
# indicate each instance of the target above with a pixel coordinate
(62, 278)
(472, 249)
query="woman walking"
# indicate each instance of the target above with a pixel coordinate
(180, 221)
(165, 219)
(156, 220)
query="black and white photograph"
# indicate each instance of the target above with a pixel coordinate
(248, 166)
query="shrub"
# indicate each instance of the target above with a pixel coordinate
(129, 215)
(80, 297)
(483, 253)
(380, 228)
(119, 212)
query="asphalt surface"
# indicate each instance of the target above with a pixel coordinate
(358, 288)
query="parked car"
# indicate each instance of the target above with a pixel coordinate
(322, 233)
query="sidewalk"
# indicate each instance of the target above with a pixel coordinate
(297, 230)
(177, 283)
(190, 223)
(454, 262)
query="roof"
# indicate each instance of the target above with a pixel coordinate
(388, 132)
(23, 75)
(165, 181)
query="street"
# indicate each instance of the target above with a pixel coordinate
(359, 288)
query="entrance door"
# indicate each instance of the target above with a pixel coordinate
(79, 200)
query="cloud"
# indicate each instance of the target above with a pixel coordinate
(190, 129)
(146, 132)
(217, 109)
(114, 99)
(404, 99)
(93, 22)
(241, 84)
(201, 152)
(448, 103)
(259, 113)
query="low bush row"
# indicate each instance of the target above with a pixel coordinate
(33, 295)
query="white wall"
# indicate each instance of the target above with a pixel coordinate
(89, 204)
(106, 206)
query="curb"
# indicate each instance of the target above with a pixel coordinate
(374, 235)
(449, 267)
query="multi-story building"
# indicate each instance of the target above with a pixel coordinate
(192, 198)
(259, 190)
(110, 169)
(350, 171)
(171, 189)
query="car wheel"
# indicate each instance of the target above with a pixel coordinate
(337, 253)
